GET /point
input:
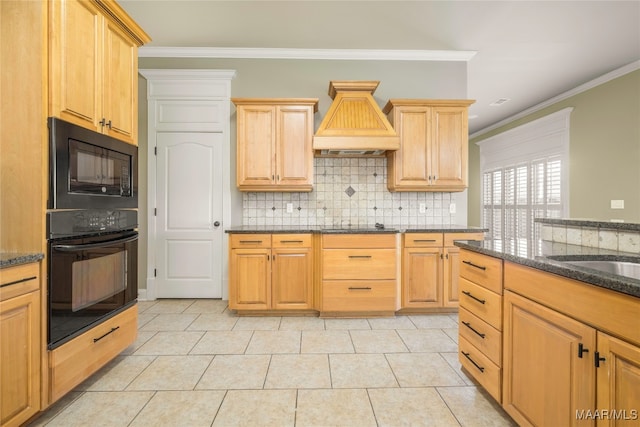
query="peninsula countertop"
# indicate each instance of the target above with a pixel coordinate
(552, 257)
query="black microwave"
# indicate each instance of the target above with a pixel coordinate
(90, 170)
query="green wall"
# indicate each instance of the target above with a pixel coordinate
(604, 151)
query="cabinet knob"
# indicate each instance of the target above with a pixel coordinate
(216, 224)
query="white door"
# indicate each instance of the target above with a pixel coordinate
(189, 215)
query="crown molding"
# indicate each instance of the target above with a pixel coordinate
(331, 54)
(619, 72)
(170, 74)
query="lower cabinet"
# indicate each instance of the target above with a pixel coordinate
(20, 350)
(76, 360)
(430, 269)
(270, 272)
(560, 367)
(618, 382)
(548, 368)
(359, 274)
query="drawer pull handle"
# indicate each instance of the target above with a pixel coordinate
(360, 256)
(473, 361)
(467, 293)
(474, 265)
(424, 240)
(26, 279)
(359, 288)
(290, 241)
(110, 332)
(250, 241)
(468, 325)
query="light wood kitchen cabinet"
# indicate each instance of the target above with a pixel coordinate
(94, 66)
(270, 272)
(274, 144)
(433, 153)
(359, 274)
(546, 377)
(430, 270)
(20, 349)
(569, 361)
(84, 355)
(480, 320)
(618, 382)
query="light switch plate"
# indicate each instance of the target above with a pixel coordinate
(452, 208)
(423, 207)
(289, 207)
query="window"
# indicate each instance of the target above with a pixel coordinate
(524, 176)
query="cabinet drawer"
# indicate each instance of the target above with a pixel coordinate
(75, 361)
(480, 368)
(359, 264)
(449, 238)
(422, 240)
(481, 302)
(250, 241)
(291, 240)
(359, 295)
(347, 241)
(481, 269)
(19, 280)
(483, 336)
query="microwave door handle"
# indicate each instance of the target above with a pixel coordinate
(75, 248)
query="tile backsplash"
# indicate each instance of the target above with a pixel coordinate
(617, 239)
(348, 191)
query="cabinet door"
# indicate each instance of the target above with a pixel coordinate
(291, 280)
(618, 381)
(20, 355)
(75, 61)
(451, 273)
(546, 379)
(449, 148)
(256, 133)
(409, 165)
(250, 279)
(294, 152)
(422, 281)
(120, 85)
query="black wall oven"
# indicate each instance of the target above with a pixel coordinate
(92, 233)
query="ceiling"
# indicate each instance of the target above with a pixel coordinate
(525, 51)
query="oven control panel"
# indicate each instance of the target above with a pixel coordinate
(69, 223)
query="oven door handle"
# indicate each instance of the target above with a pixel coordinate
(75, 248)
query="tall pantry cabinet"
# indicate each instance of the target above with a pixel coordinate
(72, 59)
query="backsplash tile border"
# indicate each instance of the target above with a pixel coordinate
(616, 239)
(348, 191)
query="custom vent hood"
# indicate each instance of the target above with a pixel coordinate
(354, 124)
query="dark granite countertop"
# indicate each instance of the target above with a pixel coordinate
(274, 229)
(624, 226)
(10, 259)
(549, 257)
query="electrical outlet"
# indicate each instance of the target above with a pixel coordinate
(289, 207)
(617, 204)
(423, 207)
(452, 208)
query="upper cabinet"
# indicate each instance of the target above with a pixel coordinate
(274, 137)
(93, 62)
(433, 153)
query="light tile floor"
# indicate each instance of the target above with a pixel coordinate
(195, 363)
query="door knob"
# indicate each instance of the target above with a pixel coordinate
(216, 224)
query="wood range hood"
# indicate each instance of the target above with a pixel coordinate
(354, 124)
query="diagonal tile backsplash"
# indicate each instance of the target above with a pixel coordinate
(348, 191)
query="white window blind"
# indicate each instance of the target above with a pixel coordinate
(524, 176)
